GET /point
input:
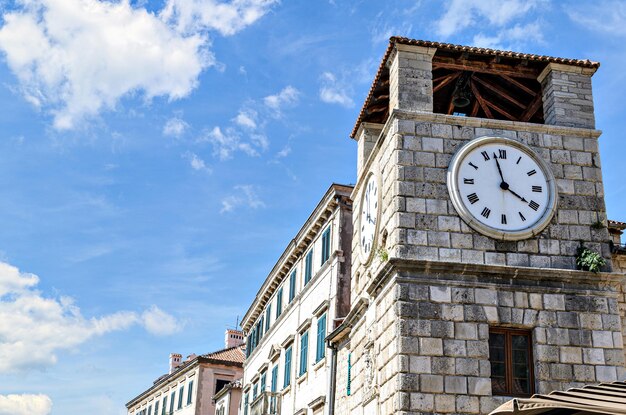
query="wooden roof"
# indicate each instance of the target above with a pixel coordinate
(503, 83)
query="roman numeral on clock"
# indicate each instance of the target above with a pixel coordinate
(519, 159)
(486, 212)
(468, 181)
(473, 198)
(537, 189)
(503, 220)
(473, 165)
(485, 155)
(521, 216)
(533, 171)
(533, 205)
(502, 154)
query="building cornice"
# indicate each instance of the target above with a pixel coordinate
(294, 249)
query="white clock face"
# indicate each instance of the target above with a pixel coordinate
(369, 216)
(502, 188)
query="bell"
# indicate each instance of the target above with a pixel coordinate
(462, 95)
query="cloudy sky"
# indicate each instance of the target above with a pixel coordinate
(157, 156)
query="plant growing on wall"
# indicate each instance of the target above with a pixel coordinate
(383, 255)
(589, 260)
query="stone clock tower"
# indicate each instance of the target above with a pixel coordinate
(479, 182)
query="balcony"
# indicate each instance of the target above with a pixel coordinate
(267, 403)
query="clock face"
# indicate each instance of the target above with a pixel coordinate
(369, 216)
(502, 188)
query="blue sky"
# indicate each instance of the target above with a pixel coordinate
(157, 157)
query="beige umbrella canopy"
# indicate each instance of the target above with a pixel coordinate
(605, 398)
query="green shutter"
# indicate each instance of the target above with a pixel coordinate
(321, 335)
(349, 383)
(292, 286)
(304, 347)
(287, 377)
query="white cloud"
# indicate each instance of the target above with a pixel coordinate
(158, 322)
(190, 16)
(226, 143)
(75, 58)
(33, 328)
(196, 162)
(25, 405)
(601, 16)
(512, 38)
(175, 127)
(246, 118)
(287, 96)
(333, 91)
(461, 14)
(245, 195)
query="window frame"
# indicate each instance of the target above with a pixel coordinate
(172, 401)
(508, 360)
(181, 391)
(189, 392)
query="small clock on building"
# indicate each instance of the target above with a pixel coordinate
(369, 217)
(502, 188)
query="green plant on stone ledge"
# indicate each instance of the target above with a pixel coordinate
(383, 255)
(589, 260)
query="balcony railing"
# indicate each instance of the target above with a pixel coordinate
(267, 403)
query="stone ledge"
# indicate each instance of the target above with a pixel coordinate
(490, 123)
(479, 274)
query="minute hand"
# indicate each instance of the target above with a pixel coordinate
(516, 195)
(498, 164)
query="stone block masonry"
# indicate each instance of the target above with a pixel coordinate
(430, 337)
(567, 98)
(425, 225)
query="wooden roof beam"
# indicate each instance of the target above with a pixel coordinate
(532, 109)
(519, 85)
(481, 100)
(445, 80)
(499, 90)
(484, 67)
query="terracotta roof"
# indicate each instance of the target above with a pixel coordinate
(463, 49)
(605, 398)
(230, 355)
(233, 356)
(616, 225)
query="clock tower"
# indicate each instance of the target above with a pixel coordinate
(478, 185)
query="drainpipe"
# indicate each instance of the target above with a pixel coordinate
(332, 379)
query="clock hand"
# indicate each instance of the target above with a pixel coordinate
(499, 169)
(516, 195)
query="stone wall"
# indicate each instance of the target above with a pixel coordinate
(567, 98)
(430, 337)
(426, 225)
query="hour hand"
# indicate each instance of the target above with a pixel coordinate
(518, 196)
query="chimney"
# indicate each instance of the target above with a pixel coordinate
(233, 338)
(175, 361)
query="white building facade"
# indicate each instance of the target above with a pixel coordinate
(303, 298)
